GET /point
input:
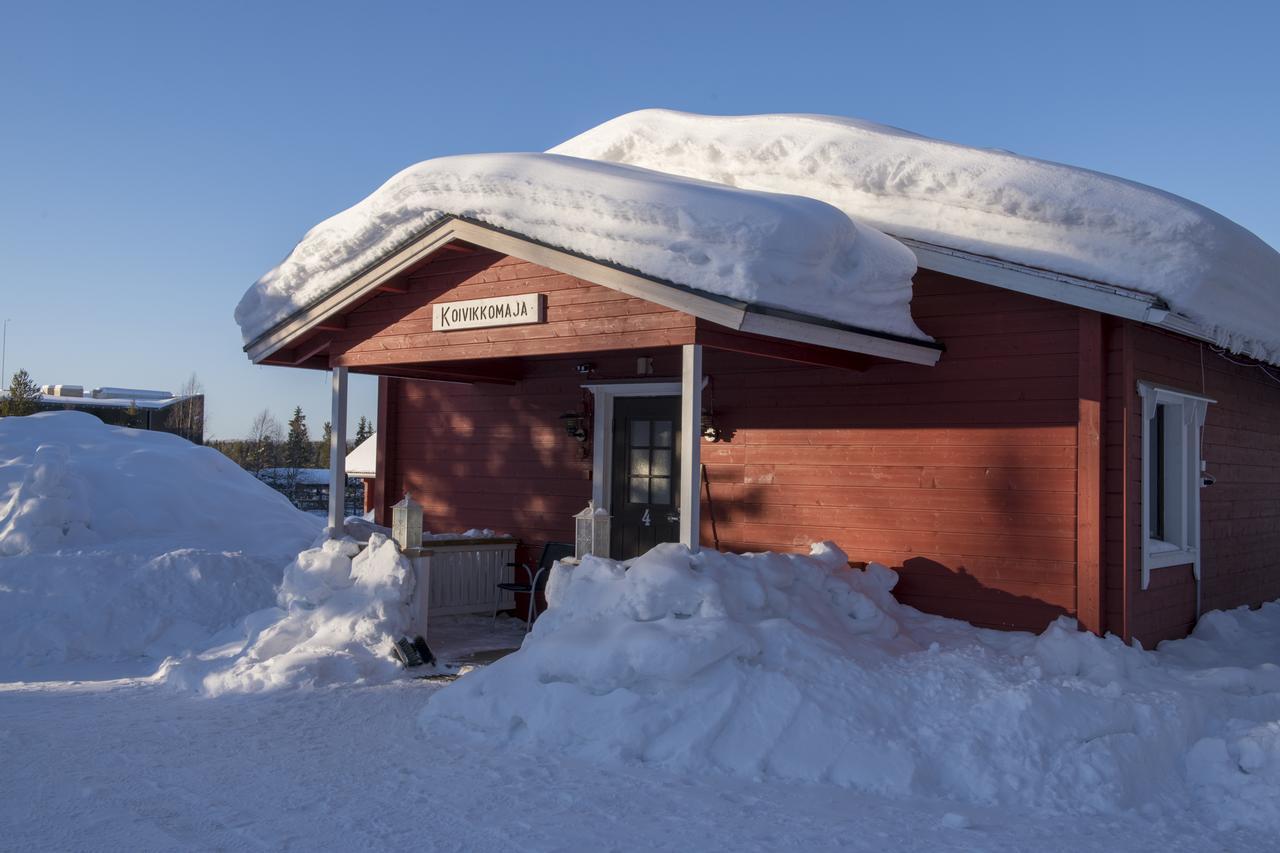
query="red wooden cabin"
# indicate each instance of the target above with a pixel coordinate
(1041, 461)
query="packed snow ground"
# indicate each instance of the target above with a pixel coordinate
(785, 251)
(137, 767)
(755, 702)
(1033, 212)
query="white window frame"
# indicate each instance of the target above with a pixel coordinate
(1182, 494)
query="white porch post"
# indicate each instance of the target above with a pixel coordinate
(691, 446)
(338, 454)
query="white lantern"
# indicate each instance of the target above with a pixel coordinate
(406, 523)
(591, 532)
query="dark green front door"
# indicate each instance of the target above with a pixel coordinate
(645, 495)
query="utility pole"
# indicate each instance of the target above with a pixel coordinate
(4, 348)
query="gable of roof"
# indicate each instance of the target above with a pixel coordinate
(723, 311)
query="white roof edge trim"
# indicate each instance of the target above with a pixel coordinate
(1056, 287)
(1033, 282)
(690, 302)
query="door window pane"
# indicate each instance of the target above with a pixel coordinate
(639, 490)
(639, 463)
(661, 490)
(661, 433)
(660, 466)
(639, 433)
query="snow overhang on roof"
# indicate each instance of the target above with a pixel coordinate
(1062, 232)
(741, 252)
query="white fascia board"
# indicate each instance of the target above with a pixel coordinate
(1047, 285)
(843, 339)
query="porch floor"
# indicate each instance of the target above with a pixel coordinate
(473, 639)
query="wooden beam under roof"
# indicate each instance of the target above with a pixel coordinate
(494, 372)
(714, 336)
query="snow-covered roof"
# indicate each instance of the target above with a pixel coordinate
(363, 460)
(783, 251)
(1031, 212)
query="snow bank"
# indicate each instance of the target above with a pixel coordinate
(784, 251)
(340, 610)
(796, 667)
(119, 543)
(991, 202)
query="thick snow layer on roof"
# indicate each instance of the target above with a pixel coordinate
(783, 251)
(990, 202)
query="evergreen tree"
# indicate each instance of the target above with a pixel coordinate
(322, 447)
(23, 396)
(297, 445)
(364, 429)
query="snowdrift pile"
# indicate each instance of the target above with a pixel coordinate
(340, 609)
(989, 202)
(785, 251)
(124, 544)
(796, 667)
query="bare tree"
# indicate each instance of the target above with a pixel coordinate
(189, 415)
(264, 439)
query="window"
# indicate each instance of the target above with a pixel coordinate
(1171, 424)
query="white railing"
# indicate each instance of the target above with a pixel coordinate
(461, 576)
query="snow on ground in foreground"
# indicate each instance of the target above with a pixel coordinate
(793, 667)
(785, 251)
(981, 200)
(131, 766)
(126, 544)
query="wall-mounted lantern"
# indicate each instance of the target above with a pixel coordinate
(406, 523)
(709, 429)
(575, 425)
(591, 532)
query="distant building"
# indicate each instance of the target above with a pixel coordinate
(362, 464)
(137, 408)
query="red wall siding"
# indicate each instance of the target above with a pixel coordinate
(395, 328)
(1240, 514)
(960, 476)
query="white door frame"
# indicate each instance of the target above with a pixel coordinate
(602, 434)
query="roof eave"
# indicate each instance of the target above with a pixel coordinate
(720, 310)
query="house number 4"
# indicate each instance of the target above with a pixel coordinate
(645, 519)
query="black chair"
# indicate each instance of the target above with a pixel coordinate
(551, 552)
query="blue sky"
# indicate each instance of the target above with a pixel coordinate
(156, 158)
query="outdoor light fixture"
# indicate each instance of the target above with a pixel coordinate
(709, 429)
(575, 425)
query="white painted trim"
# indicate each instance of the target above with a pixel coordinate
(732, 315)
(788, 329)
(691, 446)
(338, 453)
(1057, 287)
(602, 429)
(1194, 408)
(1042, 283)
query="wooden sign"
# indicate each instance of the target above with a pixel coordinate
(482, 313)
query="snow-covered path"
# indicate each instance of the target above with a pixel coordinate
(130, 765)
